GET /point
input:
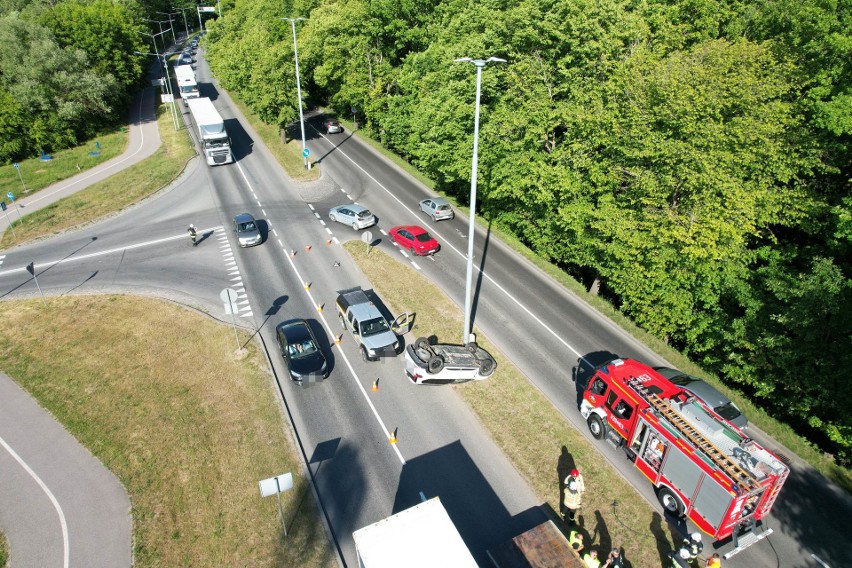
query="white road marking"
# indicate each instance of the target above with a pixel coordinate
(311, 206)
(464, 256)
(322, 223)
(50, 263)
(327, 230)
(354, 375)
(317, 215)
(66, 548)
(336, 241)
(274, 232)
(414, 264)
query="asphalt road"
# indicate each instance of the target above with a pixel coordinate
(59, 506)
(342, 426)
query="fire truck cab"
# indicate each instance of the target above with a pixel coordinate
(702, 467)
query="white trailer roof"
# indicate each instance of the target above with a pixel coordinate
(423, 536)
(184, 73)
(206, 116)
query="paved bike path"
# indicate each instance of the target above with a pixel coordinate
(144, 141)
(60, 506)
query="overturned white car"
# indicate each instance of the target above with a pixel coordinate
(441, 363)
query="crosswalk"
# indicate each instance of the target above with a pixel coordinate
(235, 278)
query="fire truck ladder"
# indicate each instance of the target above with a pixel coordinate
(725, 463)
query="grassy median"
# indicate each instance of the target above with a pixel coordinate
(524, 424)
(4, 551)
(112, 194)
(188, 426)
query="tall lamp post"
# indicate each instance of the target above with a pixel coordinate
(162, 59)
(299, 87)
(480, 63)
(185, 24)
(171, 24)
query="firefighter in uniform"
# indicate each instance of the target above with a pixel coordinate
(573, 497)
(694, 545)
(680, 558)
(591, 559)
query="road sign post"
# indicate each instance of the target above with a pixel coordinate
(20, 175)
(367, 237)
(276, 485)
(229, 297)
(31, 270)
(3, 207)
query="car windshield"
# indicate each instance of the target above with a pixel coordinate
(247, 226)
(424, 238)
(303, 349)
(728, 411)
(373, 326)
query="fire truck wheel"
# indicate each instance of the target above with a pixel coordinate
(596, 426)
(670, 501)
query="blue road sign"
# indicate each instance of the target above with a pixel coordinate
(306, 152)
(11, 196)
(2, 205)
(17, 166)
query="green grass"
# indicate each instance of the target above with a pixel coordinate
(780, 431)
(38, 175)
(523, 423)
(188, 425)
(288, 155)
(112, 194)
(4, 550)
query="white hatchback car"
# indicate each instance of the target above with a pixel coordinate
(438, 208)
(354, 215)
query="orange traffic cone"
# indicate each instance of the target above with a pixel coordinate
(393, 438)
(307, 248)
(328, 242)
(339, 339)
(375, 385)
(319, 307)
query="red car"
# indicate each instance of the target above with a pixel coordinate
(415, 239)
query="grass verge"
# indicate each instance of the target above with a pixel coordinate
(112, 194)
(288, 155)
(65, 163)
(516, 413)
(188, 426)
(779, 431)
(4, 551)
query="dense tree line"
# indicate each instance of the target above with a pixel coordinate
(68, 69)
(690, 159)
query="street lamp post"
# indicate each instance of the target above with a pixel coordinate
(168, 83)
(299, 87)
(171, 24)
(185, 24)
(480, 63)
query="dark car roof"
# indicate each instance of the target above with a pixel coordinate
(295, 330)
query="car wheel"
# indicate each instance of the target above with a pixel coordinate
(471, 347)
(354, 226)
(435, 364)
(670, 502)
(364, 355)
(596, 426)
(421, 343)
(413, 251)
(486, 367)
(332, 217)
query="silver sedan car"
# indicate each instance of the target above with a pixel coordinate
(248, 233)
(356, 216)
(437, 207)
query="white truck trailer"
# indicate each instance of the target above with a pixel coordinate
(187, 85)
(422, 536)
(211, 131)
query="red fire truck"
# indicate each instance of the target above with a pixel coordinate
(701, 466)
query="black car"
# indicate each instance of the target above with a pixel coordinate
(301, 351)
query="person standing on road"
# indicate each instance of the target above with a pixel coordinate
(193, 234)
(573, 495)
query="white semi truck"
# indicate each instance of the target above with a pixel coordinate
(187, 85)
(211, 131)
